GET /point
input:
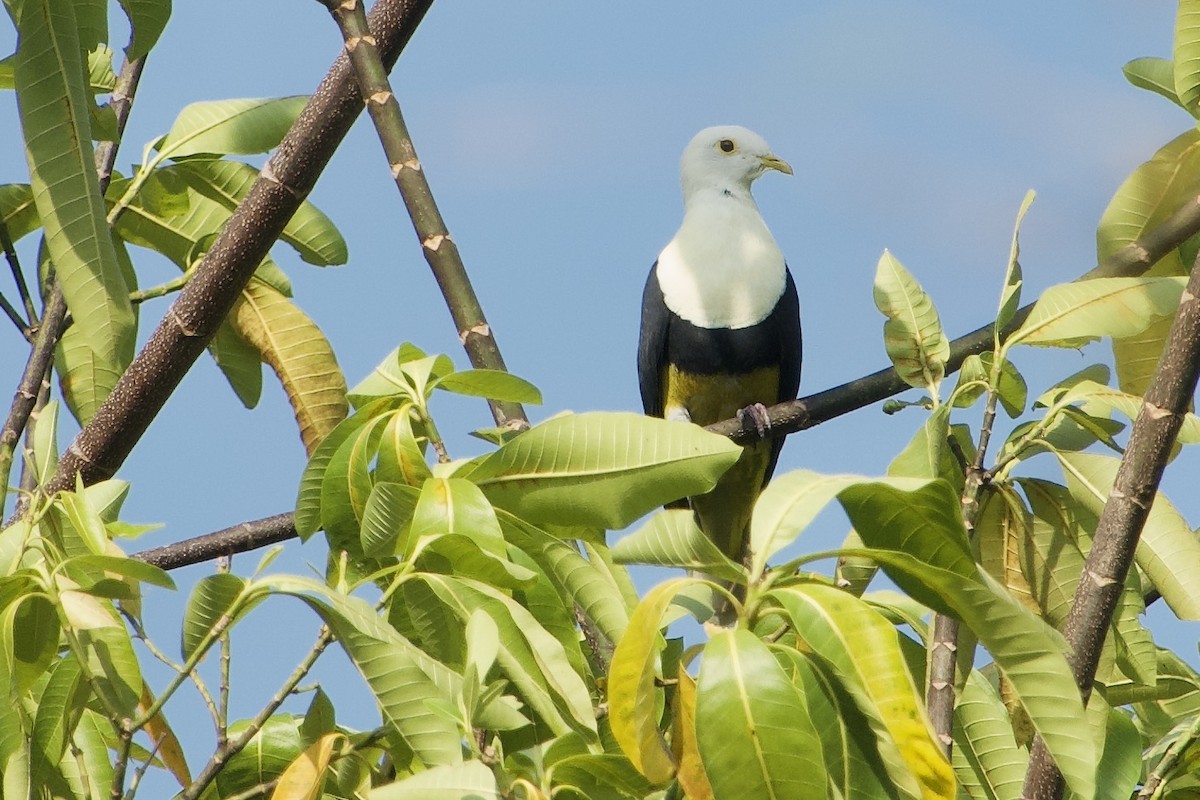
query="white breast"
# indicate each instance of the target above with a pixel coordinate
(723, 269)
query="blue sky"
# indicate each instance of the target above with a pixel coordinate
(551, 131)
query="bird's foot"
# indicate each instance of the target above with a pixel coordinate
(757, 414)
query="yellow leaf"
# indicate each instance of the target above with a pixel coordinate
(632, 695)
(691, 775)
(304, 777)
(165, 740)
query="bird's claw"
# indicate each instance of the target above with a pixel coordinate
(757, 413)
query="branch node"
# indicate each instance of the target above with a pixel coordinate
(185, 329)
(482, 329)
(412, 164)
(1100, 580)
(380, 98)
(1153, 411)
(435, 240)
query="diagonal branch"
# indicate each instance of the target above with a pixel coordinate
(439, 249)
(1125, 514)
(103, 445)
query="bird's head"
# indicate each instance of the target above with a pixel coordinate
(726, 158)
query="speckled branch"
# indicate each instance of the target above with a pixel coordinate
(102, 446)
(1125, 513)
(439, 249)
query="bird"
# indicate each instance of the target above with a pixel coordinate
(720, 329)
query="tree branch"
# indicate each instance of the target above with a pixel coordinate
(238, 539)
(105, 442)
(1131, 260)
(807, 412)
(439, 249)
(1125, 514)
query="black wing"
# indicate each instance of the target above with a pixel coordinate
(791, 351)
(652, 345)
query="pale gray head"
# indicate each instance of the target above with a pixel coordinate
(726, 158)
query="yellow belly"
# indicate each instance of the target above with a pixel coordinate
(724, 513)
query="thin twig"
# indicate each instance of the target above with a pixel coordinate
(14, 266)
(223, 564)
(234, 746)
(1124, 516)
(1152, 789)
(439, 249)
(22, 327)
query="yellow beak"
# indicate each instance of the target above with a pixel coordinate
(775, 162)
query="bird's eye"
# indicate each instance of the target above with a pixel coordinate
(726, 145)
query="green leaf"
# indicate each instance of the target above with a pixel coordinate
(44, 425)
(1187, 55)
(214, 596)
(402, 677)
(224, 127)
(671, 538)
(534, 662)
(582, 583)
(54, 102)
(913, 332)
(299, 354)
(239, 362)
(633, 698)
(31, 632)
(387, 518)
(308, 500)
(264, 758)
(456, 506)
(1119, 769)
(1137, 356)
(601, 469)
(987, 760)
(492, 384)
(18, 211)
(1130, 405)
(1153, 74)
(57, 711)
(1010, 294)
(915, 530)
(598, 776)
(755, 736)
(101, 78)
(401, 455)
(1072, 313)
(148, 18)
(346, 486)
(1151, 193)
(862, 649)
(459, 554)
(311, 233)
(1167, 546)
(786, 507)
(91, 17)
(470, 780)
(131, 568)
